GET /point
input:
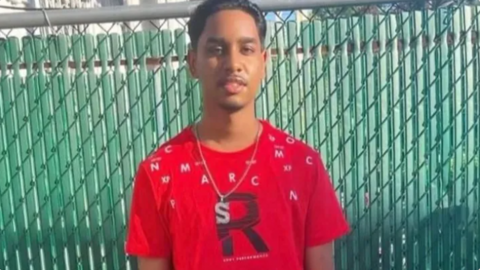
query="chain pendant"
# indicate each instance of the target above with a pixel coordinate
(222, 212)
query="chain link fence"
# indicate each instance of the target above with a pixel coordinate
(389, 94)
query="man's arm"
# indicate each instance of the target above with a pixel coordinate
(153, 264)
(319, 257)
(148, 237)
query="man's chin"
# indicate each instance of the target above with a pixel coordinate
(232, 106)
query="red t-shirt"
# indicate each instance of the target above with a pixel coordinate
(285, 204)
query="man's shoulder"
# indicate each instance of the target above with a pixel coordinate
(292, 154)
(170, 150)
(291, 142)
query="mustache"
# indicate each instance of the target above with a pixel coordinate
(233, 78)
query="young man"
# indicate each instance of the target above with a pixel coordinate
(232, 191)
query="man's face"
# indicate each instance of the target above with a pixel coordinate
(229, 60)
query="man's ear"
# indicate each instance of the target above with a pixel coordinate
(265, 55)
(192, 61)
(264, 58)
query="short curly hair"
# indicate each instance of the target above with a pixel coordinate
(198, 19)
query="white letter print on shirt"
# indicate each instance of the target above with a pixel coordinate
(231, 176)
(293, 196)
(255, 181)
(204, 179)
(154, 166)
(165, 179)
(185, 167)
(309, 160)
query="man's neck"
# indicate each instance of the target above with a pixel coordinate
(228, 132)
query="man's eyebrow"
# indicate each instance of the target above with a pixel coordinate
(219, 40)
(215, 40)
(247, 40)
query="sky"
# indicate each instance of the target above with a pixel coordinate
(270, 16)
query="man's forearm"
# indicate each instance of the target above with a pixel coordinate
(319, 258)
(153, 264)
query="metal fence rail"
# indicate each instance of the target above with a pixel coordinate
(390, 96)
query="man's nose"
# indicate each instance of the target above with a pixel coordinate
(233, 62)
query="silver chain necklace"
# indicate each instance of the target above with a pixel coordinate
(222, 204)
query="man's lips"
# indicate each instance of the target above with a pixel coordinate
(233, 85)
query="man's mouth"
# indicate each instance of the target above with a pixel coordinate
(233, 85)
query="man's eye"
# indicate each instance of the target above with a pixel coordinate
(215, 50)
(248, 50)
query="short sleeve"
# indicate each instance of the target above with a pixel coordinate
(325, 219)
(147, 234)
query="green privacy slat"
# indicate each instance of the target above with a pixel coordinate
(319, 101)
(195, 101)
(385, 92)
(120, 95)
(8, 184)
(97, 196)
(148, 98)
(140, 121)
(112, 177)
(443, 101)
(156, 89)
(4, 165)
(390, 100)
(274, 105)
(169, 87)
(269, 83)
(473, 201)
(123, 185)
(432, 138)
(372, 147)
(351, 194)
(402, 80)
(402, 126)
(423, 142)
(307, 82)
(41, 134)
(49, 85)
(281, 97)
(414, 115)
(146, 83)
(131, 121)
(16, 155)
(296, 109)
(127, 90)
(34, 234)
(333, 161)
(456, 184)
(39, 153)
(133, 118)
(345, 80)
(79, 155)
(180, 41)
(23, 203)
